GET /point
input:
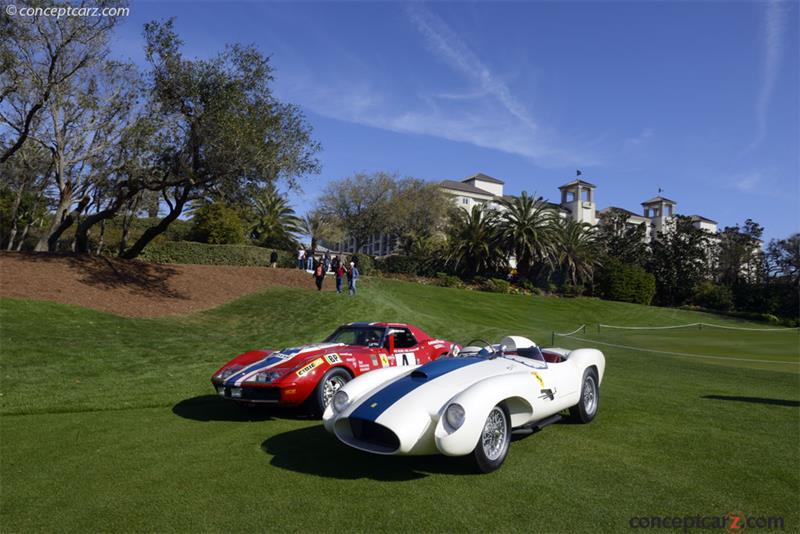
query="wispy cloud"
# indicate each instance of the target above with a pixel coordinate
(642, 137)
(774, 23)
(748, 183)
(450, 48)
(477, 107)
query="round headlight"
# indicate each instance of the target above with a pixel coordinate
(454, 415)
(340, 400)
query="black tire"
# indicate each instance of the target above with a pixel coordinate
(589, 403)
(490, 452)
(336, 377)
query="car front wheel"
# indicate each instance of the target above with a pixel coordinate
(492, 447)
(331, 382)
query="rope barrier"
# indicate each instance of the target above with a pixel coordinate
(553, 337)
(685, 354)
(699, 325)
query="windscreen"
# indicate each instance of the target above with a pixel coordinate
(365, 336)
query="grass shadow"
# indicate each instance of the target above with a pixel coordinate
(754, 400)
(212, 408)
(313, 451)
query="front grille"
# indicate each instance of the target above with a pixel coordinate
(257, 394)
(371, 433)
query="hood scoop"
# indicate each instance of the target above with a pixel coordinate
(422, 375)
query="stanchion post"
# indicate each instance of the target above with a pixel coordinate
(553, 339)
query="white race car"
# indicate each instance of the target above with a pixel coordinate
(468, 402)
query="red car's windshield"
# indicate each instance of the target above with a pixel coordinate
(365, 336)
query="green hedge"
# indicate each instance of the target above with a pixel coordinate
(626, 283)
(204, 254)
(243, 255)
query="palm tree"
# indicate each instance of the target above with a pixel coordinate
(318, 226)
(579, 251)
(527, 229)
(474, 246)
(273, 221)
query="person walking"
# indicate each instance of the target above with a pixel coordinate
(335, 263)
(301, 258)
(340, 274)
(273, 259)
(327, 259)
(319, 274)
(309, 260)
(352, 278)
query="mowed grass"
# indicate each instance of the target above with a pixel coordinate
(108, 423)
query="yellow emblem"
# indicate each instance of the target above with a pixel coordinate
(538, 379)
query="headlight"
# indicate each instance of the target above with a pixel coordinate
(265, 377)
(454, 415)
(227, 372)
(340, 400)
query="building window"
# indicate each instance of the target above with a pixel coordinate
(465, 200)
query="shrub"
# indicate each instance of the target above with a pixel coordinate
(446, 280)
(495, 285)
(527, 285)
(204, 254)
(573, 290)
(712, 296)
(398, 264)
(217, 224)
(626, 283)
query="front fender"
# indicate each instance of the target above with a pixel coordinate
(361, 386)
(514, 390)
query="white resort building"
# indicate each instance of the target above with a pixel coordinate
(577, 202)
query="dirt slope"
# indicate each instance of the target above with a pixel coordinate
(134, 288)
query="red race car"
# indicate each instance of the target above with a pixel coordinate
(314, 373)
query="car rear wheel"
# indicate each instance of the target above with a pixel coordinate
(586, 409)
(492, 447)
(331, 382)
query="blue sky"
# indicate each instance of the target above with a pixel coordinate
(697, 98)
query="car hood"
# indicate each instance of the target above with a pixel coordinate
(411, 405)
(287, 358)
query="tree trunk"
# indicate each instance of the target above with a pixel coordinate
(82, 231)
(154, 231)
(14, 212)
(67, 221)
(101, 239)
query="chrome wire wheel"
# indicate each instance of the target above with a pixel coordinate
(590, 395)
(330, 387)
(494, 437)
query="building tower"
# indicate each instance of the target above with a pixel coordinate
(659, 210)
(577, 196)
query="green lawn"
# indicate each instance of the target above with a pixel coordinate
(108, 423)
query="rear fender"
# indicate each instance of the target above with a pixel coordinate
(585, 358)
(513, 391)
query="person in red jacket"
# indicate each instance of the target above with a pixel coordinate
(340, 272)
(319, 274)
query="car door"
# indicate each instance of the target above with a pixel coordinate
(404, 349)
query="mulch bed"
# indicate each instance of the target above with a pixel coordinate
(135, 288)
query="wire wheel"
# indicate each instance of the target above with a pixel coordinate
(330, 387)
(494, 437)
(590, 395)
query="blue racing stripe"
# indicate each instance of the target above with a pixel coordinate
(373, 407)
(271, 360)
